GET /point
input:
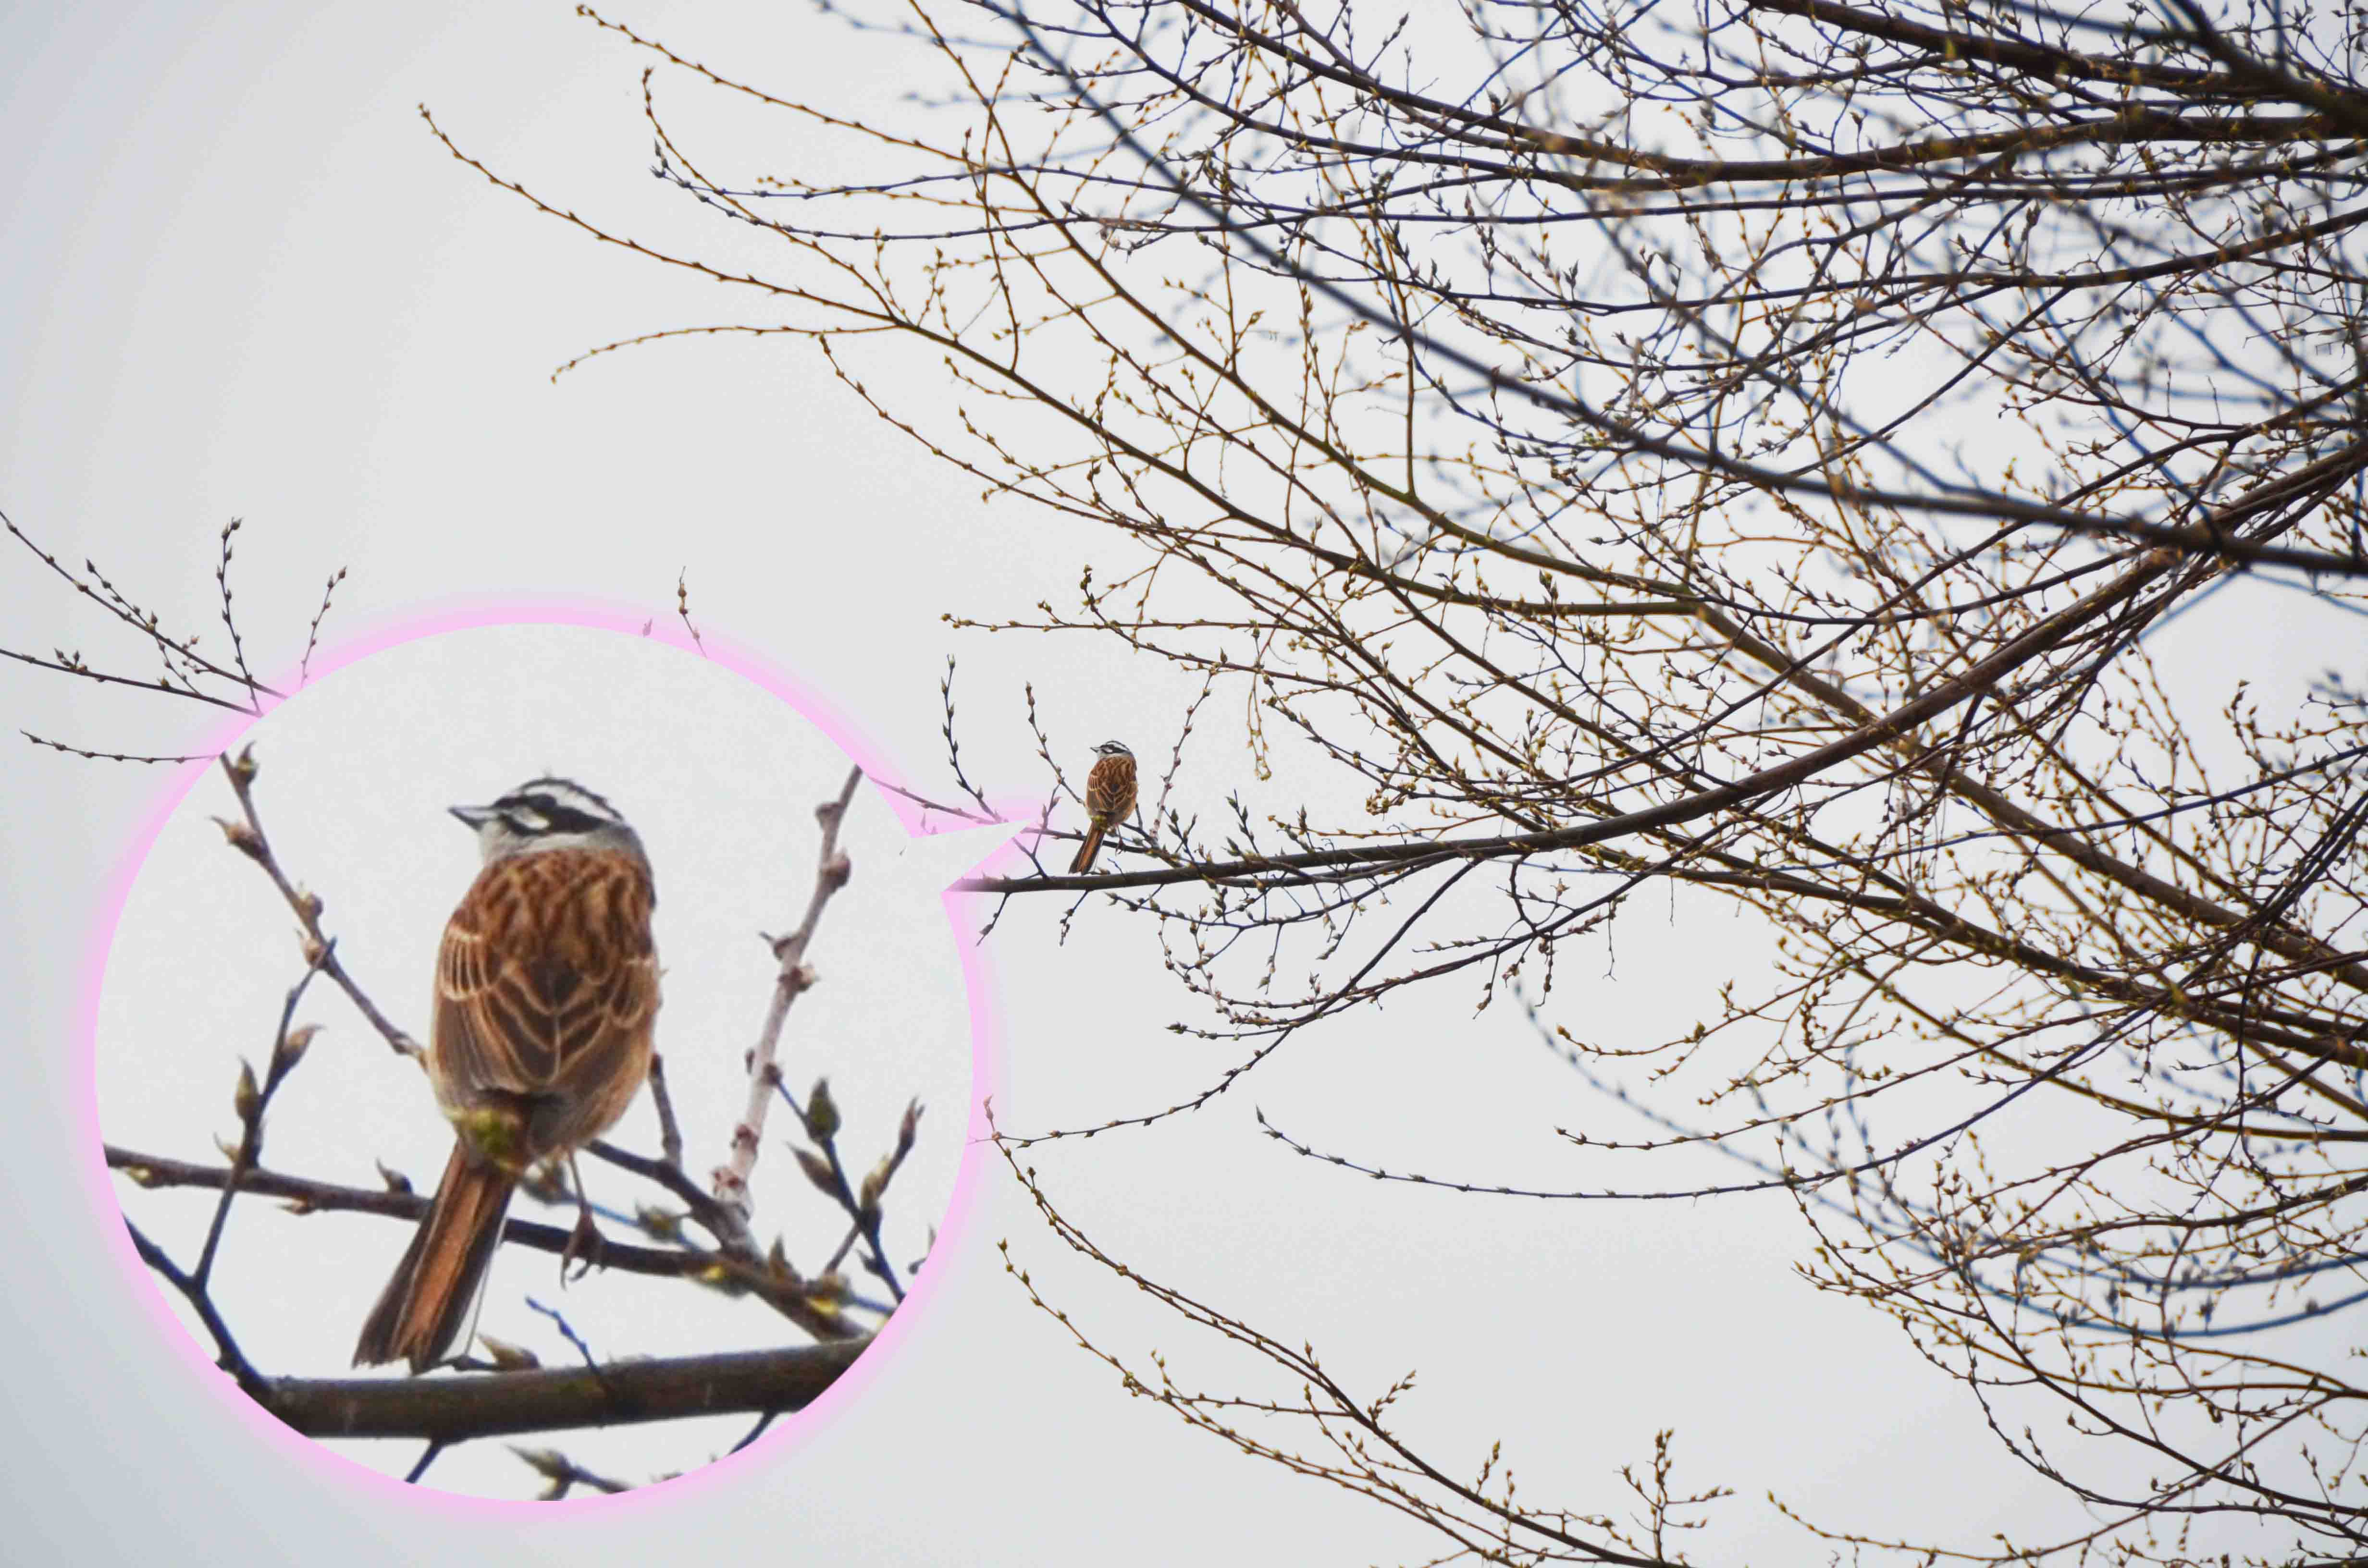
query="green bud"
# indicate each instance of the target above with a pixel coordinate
(822, 1112)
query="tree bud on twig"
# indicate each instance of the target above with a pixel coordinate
(908, 1128)
(246, 1098)
(822, 1113)
(292, 1047)
(243, 766)
(242, 837)
(836, 871)
(875, 1183)
(509, 1358)
(817, 1171)
(550, 1463)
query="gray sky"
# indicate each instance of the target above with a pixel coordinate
(243, 279)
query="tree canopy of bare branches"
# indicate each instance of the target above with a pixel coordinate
(1754, 447)
(1759, 450)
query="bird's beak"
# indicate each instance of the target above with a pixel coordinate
(475, 816)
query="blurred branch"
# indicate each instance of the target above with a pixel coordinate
(455, 1409)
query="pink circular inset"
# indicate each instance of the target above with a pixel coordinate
(515, 618)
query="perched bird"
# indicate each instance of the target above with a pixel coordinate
(546, 992)
(1110, 796)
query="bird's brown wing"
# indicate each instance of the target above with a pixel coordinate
(1109, 788)
(546, 989)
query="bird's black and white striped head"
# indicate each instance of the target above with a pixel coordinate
(1113, 748)
(549, 814)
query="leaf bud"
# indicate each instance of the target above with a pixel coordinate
(822, 1112)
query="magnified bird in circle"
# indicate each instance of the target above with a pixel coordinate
(546, 992)
(1110, 796)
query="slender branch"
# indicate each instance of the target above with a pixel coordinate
(228, 1357)
(287, 1047)
(793, 979)
(669, 1130)
(1741, 792)
(816, 1314)
(249, 839)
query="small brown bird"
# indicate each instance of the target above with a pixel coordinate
(1110, 796)
(546, 992)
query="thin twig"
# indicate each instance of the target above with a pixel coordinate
(249, 839)
(682, 610)
(238, 648)
(313, 640)
(669, 1130)
(288, 1048)
(230, 1358)
(567, 1331)
(785, 1293)
(103, 756)
(863, 1208)
(754, 1432)
(794, 978)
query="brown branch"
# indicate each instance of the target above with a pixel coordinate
(786, 1294)
(1979, 677)
(793, 979)
(494, 1404)
(249, 839)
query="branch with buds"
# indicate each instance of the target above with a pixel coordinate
(246, 836)
(793, 979)
(251, 1101)
(821, 1164)
(182, 671)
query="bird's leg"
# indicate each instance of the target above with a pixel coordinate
(585, 1242)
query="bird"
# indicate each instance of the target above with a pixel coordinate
(546, 999)
(1110, 796)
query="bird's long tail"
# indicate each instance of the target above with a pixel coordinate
(1088, 850)
(420, 1313)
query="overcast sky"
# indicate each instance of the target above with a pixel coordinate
(241, 278)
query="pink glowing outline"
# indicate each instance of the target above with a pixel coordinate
(986, 1055)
